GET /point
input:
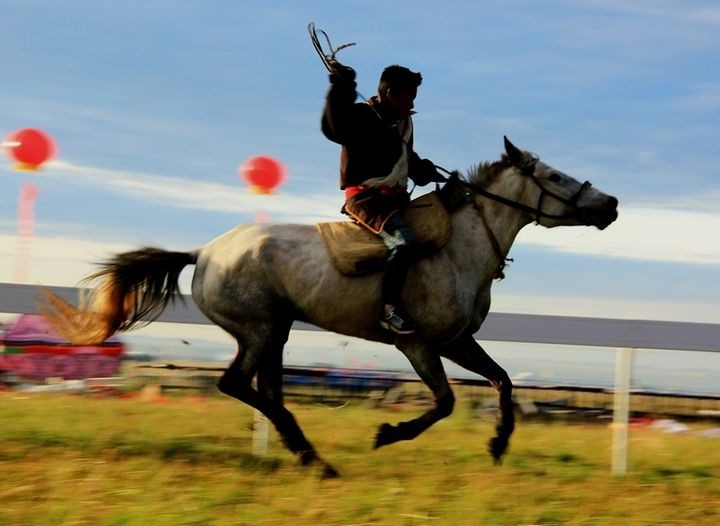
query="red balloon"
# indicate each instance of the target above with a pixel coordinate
(263, 174)
(29, 148)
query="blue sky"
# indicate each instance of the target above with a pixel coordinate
(155, 104)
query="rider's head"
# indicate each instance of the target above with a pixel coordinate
(398, 89)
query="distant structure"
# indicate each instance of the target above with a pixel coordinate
(30, 349)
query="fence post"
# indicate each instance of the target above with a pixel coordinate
(621, 410)
(261, 432)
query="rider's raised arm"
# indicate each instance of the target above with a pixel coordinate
(339, 115)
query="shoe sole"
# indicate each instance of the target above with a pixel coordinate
(390, 328)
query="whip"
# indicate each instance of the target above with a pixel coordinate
(327, 58)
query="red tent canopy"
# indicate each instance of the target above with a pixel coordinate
(31, 348)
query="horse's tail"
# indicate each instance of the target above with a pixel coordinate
(133, 288)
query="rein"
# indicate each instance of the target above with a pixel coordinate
(536, 211)
(504, 260)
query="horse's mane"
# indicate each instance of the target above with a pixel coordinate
(482, 174)
(454, 193)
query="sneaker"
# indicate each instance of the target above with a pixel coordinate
(397, 322)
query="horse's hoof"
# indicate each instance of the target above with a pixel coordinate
(307, 457)
(329, 472)
(497, 447)
(385, 435)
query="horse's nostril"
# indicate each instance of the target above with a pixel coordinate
(613, 202)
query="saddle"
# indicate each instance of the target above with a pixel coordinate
(355, 250)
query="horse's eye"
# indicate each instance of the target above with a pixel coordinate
(554, 177)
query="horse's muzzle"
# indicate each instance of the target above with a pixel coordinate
(603, 216)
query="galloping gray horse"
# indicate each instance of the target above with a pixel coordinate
(256, 279)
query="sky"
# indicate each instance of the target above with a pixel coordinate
(154, 105)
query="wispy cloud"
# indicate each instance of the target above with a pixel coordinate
(200, 195)
(56, 260)
(672, 231)
(79, 114)
(67, 260)
(701, 97)
(219, 197)
(650, 234)
(617, 307)
(669, 10)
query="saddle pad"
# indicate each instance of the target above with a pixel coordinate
(355, 250)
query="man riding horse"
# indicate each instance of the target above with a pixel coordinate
(256, 280)
(376, 161)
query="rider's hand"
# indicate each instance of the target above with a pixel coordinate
(340, 72)
(428, 167)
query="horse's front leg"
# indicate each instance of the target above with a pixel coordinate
(430, 369)
(468, 353)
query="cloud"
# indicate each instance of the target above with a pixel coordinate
(700, 97)
(55, 260)
(640, 234)
(200, 195)
(669, 10)
(677, 230)
(651, 234)
(707, 15)
(617, 307)
(671, 231)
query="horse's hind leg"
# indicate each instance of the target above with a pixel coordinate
(270, 384)
(467, 353)
(430, 369)
(260, 351)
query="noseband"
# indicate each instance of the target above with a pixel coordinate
(572, 202)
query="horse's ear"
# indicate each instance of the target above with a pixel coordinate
(516, 156)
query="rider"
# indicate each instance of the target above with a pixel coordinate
(376, 160)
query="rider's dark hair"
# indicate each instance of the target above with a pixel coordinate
(398, 78)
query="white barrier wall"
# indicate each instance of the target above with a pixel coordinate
(528, 328)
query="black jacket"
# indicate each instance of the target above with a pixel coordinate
(371, 142)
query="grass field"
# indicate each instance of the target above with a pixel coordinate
(75, 460)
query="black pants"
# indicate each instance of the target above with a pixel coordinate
(402, 243)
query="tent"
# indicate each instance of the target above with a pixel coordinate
(31, 349)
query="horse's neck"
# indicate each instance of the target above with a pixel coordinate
(472, 247)
(504, 222)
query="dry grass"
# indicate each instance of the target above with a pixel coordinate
(72, 460)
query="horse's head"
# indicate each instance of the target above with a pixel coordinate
(555, 198)
(548, 196)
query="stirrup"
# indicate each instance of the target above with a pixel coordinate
(396, 323)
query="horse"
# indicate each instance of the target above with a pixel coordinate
(255, 280)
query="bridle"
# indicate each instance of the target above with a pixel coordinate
(528, 169)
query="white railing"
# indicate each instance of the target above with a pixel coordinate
(623, 335)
